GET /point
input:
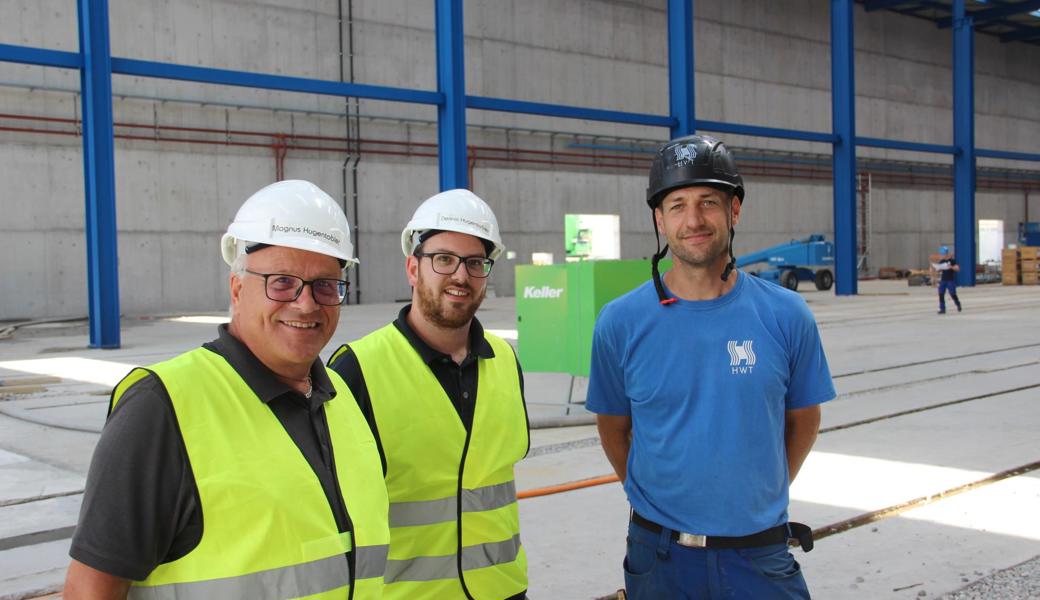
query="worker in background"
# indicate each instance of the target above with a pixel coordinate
(947, 267)
(444, 399)
(707, 384)
(243, 468)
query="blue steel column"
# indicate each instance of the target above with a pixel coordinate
(964, 142)
(99, 174)
(843, 122)
(680, 67)
(451, 84)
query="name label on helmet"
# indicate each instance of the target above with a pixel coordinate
(443, 220)
(542, 292)
(302, 229)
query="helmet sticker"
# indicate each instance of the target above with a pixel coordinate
(685, 154)
(444, 221)
(304, 230)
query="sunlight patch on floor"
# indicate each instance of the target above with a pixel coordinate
(201, 319)
(88, 370)
(1007, 507)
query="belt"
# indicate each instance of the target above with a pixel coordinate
(792, 534)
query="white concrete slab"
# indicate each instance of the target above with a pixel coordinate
(23, 479)
(23, 520)
(34, 570)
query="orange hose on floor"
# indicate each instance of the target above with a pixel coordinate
(566, 487)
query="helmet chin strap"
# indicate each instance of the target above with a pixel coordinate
(732, 264)
(661, 252)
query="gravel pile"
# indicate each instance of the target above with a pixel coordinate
(1020, 581)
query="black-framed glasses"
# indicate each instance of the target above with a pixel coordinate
(287, 288)
(446, 263)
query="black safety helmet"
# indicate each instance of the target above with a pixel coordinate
(683, 162)
(693, 160)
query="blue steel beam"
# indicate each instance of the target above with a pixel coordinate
(843, 121)
(568, 112)
(43, 57)
(964, 140)
(614, 116)
(769, 132)
(681, 98)
(900, 145)
(99, 175)
(1007, 154)
(451, 85)
(144, 68)
(998, 12)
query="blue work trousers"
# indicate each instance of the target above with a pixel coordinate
(657, 568)
(950, 285)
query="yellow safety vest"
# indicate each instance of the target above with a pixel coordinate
(269, 532)
(427, 448)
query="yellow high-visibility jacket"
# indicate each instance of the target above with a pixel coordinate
(269, 532)
(448, 537)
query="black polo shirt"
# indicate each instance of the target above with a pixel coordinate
(459, 380)
(141, 505)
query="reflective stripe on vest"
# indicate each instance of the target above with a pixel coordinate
(430, 568)
(424, 442)
(274, 584)
(371, 561)
(428, 512)
(268, 529)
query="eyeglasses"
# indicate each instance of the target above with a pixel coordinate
(446, 263)
(287, 288)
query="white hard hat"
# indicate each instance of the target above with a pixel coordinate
(294, 214)
(457, 210)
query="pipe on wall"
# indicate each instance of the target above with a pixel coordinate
(353, 122)
(280, 144)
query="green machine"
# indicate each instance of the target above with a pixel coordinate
(577, 239)
(557, 306)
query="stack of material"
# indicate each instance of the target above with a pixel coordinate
(1030, 265)
(893, 273)
(1009, 269)
(1020, 266)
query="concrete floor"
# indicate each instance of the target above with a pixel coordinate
(966, 388)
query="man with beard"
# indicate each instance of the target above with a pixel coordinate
(445, 401)
(707, 384)
(242, 468)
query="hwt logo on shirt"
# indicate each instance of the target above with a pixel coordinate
(741, 357)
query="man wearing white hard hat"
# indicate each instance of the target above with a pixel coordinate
(243, 468)
(444, 399)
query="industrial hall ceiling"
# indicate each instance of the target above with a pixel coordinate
(1008, 20)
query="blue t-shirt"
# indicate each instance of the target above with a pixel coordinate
(706, 384)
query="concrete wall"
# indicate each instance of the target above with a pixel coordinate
(758, 62)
